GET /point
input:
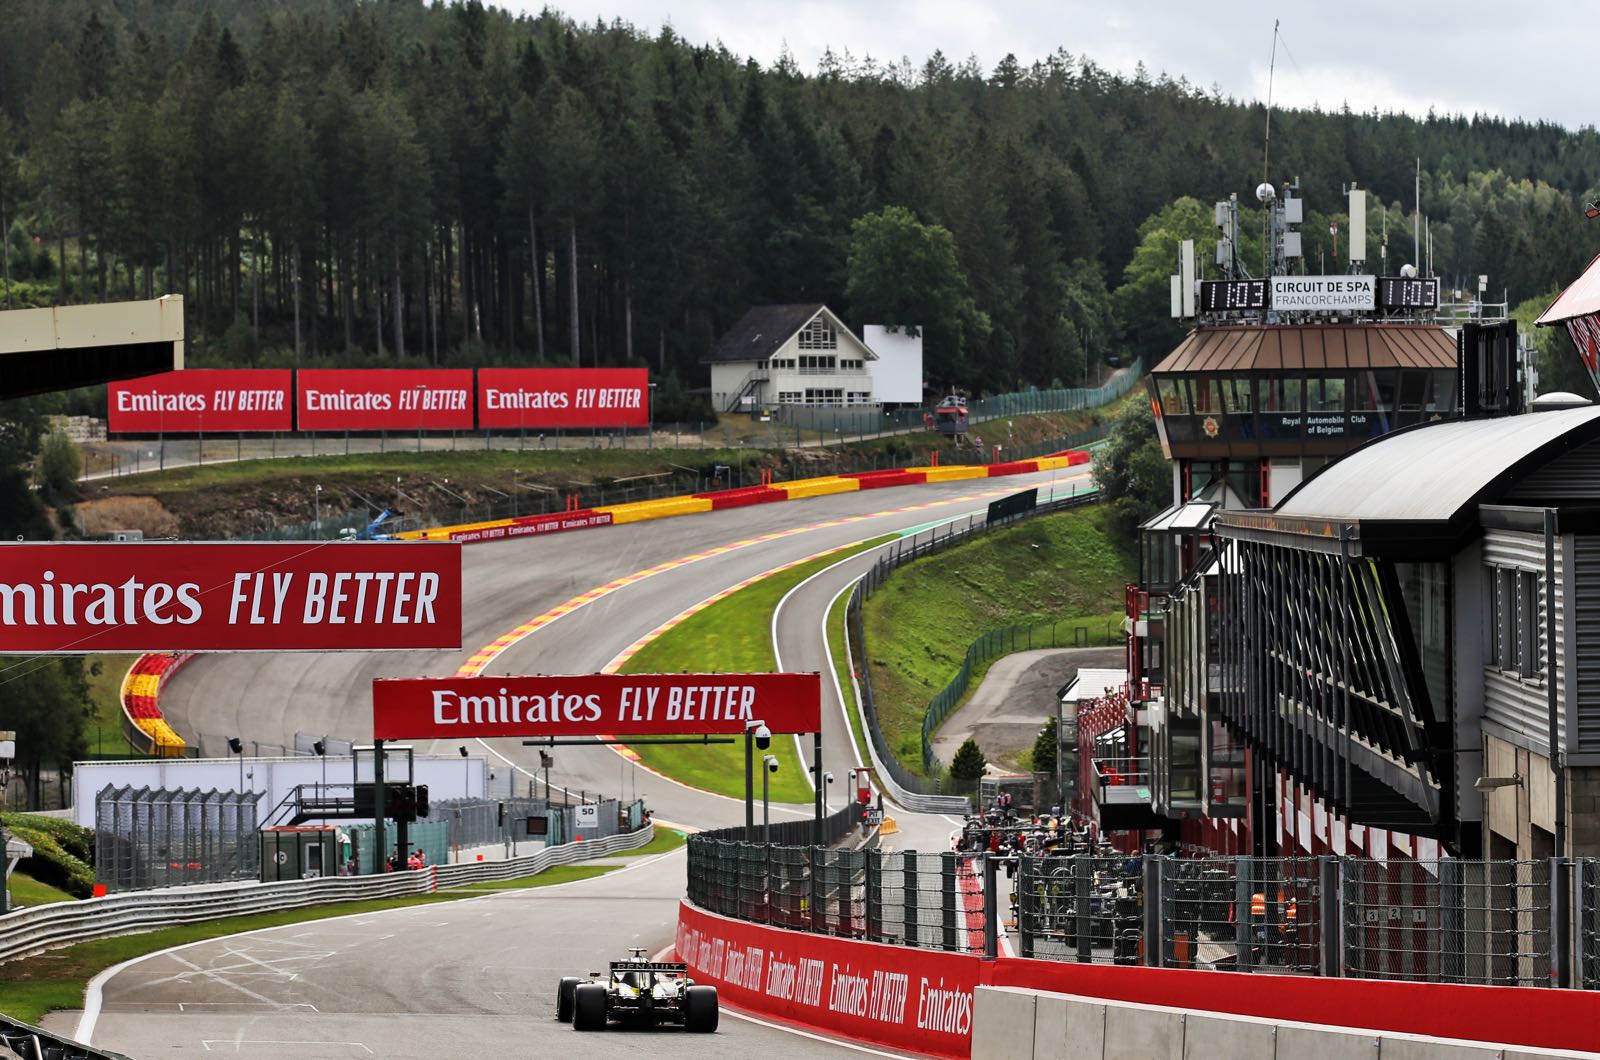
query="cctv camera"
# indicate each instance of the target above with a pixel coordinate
(763, 736)
(827, 778)
(771, 762)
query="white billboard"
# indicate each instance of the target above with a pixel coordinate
(897, 373)
(1324, 294)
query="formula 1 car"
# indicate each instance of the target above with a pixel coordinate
(639, 991)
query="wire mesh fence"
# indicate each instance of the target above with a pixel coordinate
(1085, 908)
(155, 837)
(933, 901)
(1456, 921)
(1444, 920)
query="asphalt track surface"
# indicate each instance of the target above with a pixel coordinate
(477, 977)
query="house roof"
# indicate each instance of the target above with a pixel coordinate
(1311, 348)
(1432, 472)
(758, 334)
(1091, 683)
(1581, 298)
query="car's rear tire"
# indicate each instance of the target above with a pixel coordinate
(564, 991)
(700, 1010)
(589, 1007)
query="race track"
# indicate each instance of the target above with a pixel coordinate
(477, 977)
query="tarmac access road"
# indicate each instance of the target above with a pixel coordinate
(477, 977)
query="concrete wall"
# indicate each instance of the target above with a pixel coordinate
(1015, 1024)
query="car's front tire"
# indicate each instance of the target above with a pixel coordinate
(700, 1010)
(589, 1007)
(564, 992)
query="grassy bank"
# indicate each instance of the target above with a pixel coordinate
(1064, 570)
(218, 500)
(733, 635)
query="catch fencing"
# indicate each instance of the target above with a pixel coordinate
(1448, 920)
(153, 837)
(930, 901)
(872, 420)
(933, 780)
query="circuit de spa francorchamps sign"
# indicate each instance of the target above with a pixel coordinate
(75, 598)
(594, 704)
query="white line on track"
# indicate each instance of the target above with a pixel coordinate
(840, 1042)
(94, 996)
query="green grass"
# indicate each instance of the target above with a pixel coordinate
(665, 839)
(103, 728)
(733, 635)
(1058, 571)
(553, 875)
(57, 979)
(27, 891)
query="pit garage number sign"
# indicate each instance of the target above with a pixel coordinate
(594, 705)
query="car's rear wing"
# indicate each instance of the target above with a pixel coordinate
(664, 967)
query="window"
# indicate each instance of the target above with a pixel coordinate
(858, 397)
(850, 366)
(1513, 634)
(1278, 395)
(789, 397)
(819, 335)
(814, 364)
(782, 363)
(1173, 402)
(1324, 395)
(823, 396)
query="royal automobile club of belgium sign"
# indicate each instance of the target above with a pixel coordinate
(1324, 294)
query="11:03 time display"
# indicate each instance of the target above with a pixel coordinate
(1224, 296)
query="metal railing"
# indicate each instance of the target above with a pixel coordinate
(1445, 920)
(931, 782)
(155, 837)
(33, 1043)
(873, 421)
(38, 928)
(931, 901)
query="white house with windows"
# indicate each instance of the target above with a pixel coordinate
(790, 355)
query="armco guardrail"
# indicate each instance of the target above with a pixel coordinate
(924, 794)
(31, 931)
(34, 1043)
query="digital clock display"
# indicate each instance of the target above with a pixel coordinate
(1398, 292)
(1232, 296)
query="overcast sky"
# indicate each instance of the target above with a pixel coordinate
(1530, 60)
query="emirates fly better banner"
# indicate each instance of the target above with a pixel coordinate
(551, 398)
(197, 400)
(300, 596)
(385, 399)
(593, 705)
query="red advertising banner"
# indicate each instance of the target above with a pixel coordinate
(449, 708)
(197, 400)
(916, 1000)
(384, 399)
(551, 398)
(325, 596)
(521, 527)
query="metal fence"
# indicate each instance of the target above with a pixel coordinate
(932, 780)
(872, 419)
(154, 837)
(931, 901)
(1445, 920)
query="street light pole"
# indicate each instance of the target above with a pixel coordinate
(769, 764)
(318, 497)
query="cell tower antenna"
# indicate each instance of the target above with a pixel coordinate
(1266, 149)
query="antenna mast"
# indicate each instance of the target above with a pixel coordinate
(1266, 150)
